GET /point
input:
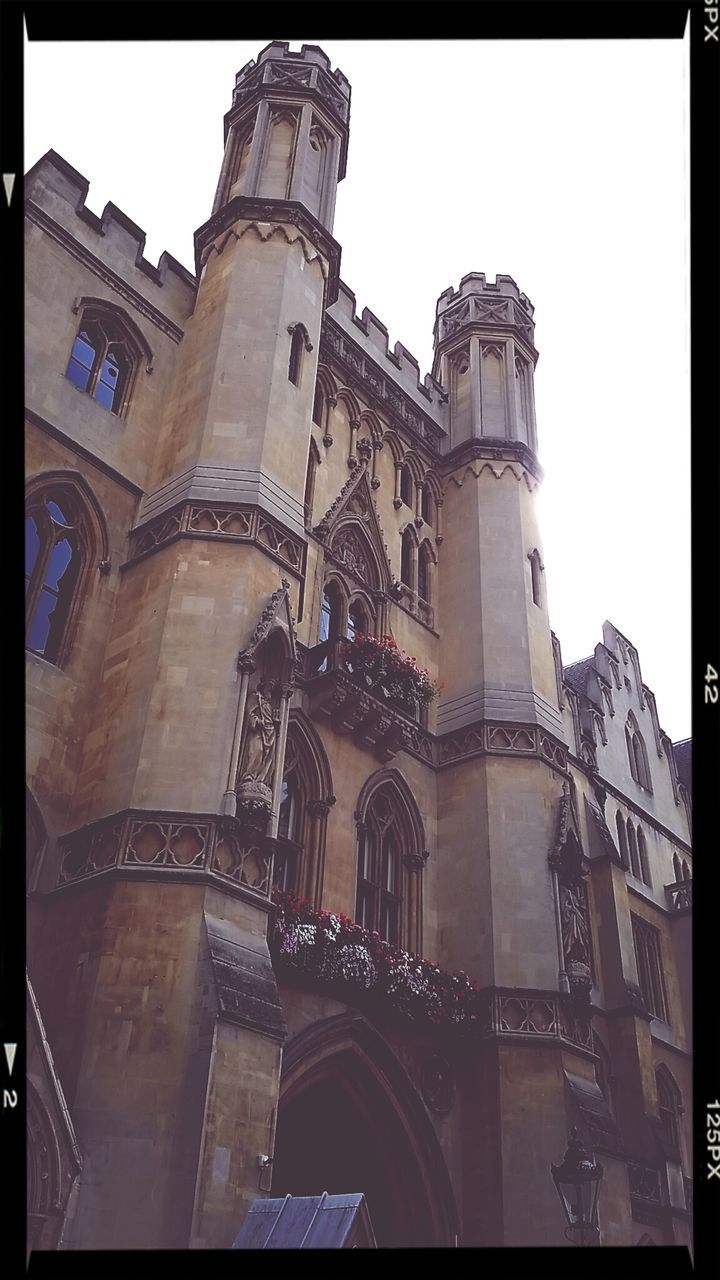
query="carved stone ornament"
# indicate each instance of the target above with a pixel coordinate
(437, 1083)
(258, 761)
(277, 610)
(416, 861)
(350, 554)
(567, 861)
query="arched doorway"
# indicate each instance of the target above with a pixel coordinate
(350, 1120)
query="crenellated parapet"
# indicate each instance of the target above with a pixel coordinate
(391, 377)
(110, 245)
(479, 302)
(310, 69)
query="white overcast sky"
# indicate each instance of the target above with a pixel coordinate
(563, 164)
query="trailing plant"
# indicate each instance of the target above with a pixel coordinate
(335, 949)
(377, 663)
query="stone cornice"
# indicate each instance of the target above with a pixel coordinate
(369, 380)
(103, 272)
(258, 210)
(225, 521)
(154, 844)
(492, 450)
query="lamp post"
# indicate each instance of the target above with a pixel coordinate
(577, 1181)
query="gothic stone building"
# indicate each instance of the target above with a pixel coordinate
(233, 485)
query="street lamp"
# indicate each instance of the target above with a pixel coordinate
(577, 1181)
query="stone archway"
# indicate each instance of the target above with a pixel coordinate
(350, 1120)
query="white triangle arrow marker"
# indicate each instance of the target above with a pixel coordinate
(10, 1051)
(8, 183)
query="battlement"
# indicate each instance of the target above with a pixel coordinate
(402, 367)
(474, 284)
(477, 301)
(55, 193)
(277, 67)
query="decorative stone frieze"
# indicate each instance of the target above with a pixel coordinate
(266, 218)
(168, 844)
(219, 520)
(679, 896)
(377, 388)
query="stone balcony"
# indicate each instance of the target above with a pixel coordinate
(374, 720)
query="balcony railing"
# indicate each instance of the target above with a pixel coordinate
(679, 895)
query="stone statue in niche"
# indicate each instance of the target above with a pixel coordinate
(576, 938)
(258, 762)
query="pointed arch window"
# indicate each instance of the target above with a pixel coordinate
(331, 613)
(357, 623)
(643, 858)
(407, 558)
(634, 851)
(424, 572)
(289, 836)
(622, 839)
(407, 487)
(646, 940)
(391, 858)
(426, 504)
(637, 755)
(299, 344)
(318, 405)
(59, 545)
(536, 568)
(103, 360)
(379, 886)
(313, 463)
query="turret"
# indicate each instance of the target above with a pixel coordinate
(485, 356)
(286, 133)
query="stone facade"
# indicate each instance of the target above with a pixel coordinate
(234, 482)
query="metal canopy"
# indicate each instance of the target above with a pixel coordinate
(308, 1222)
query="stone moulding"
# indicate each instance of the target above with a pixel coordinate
(141, 842)
(336, 696)
(256, 211)
(376, 387)
(225, 521)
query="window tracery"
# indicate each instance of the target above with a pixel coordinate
(103, 359)
(60, 543)
(391, 859)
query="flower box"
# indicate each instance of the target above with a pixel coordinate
(337, 952)
(377, 664)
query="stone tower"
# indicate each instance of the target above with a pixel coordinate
(499, 702)
(167, 955)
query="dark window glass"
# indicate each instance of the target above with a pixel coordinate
(406, 559)
(407, 487)
(426, 505)
(295, 361)
(379, 869)
(99, 362)
(649, 963)
(318, 404)
(423, 576)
